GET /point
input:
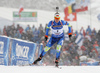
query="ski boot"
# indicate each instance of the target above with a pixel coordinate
(57, 65)
(35, 62)
(56, 62)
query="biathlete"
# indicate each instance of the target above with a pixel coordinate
(56, 37)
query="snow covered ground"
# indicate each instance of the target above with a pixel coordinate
(44, 17)
(49, 69)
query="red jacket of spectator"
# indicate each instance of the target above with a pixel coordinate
(96, 44)
(82, 31)
(20, 30)
(95, 50)
(83, 48)
(4, 31)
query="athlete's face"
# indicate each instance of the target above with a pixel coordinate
(57, 20)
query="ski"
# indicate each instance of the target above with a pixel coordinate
(28, 65)
(58, 67)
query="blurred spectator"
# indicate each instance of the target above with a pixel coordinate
(27, 39)
(0, 32)
(23, 36)
(79, 51)
(73, 52)
(76, 33)
(20, 30)
(4, 31)
(46, 26)
(17, 34)
(70, 51)
(27, 28)
(88, 37)
(41, 29)
(36, 35)
(98, 36)
(28, 34)
(52, 51)
(93, 38)
(11, 34)
(33, 28)
(18, 27)
(13, 27)
(8, 30)
(96, 47)
(88, 30)
(94, 32)
(82, 31)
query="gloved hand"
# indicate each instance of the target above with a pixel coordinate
(70, 36)
(46, 37)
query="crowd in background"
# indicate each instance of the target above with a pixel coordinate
(70, 52)
(29, 33)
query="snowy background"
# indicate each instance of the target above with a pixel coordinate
(46, 10)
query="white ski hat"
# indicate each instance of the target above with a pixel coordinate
(57, 16)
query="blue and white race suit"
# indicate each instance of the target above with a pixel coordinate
(57, 36)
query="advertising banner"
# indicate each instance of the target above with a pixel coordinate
(22, 52)
(25, 17)
(4, 49)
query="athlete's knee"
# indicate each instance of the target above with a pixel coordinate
(46, 48)
(58, 48)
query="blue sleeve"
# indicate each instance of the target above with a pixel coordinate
(69, 29)
(47, 28)
(66, 23)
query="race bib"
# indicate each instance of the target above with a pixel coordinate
(57, 31)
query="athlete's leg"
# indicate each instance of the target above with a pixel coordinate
(59, 45)
(48, 46)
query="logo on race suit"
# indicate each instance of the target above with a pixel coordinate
(57, 26)
(22, 51)
(57, 32)
(1, 47)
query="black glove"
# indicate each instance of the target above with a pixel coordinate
(70, 36)
(46, 37)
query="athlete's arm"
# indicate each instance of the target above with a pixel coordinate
(69, 26)
(47, 28)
